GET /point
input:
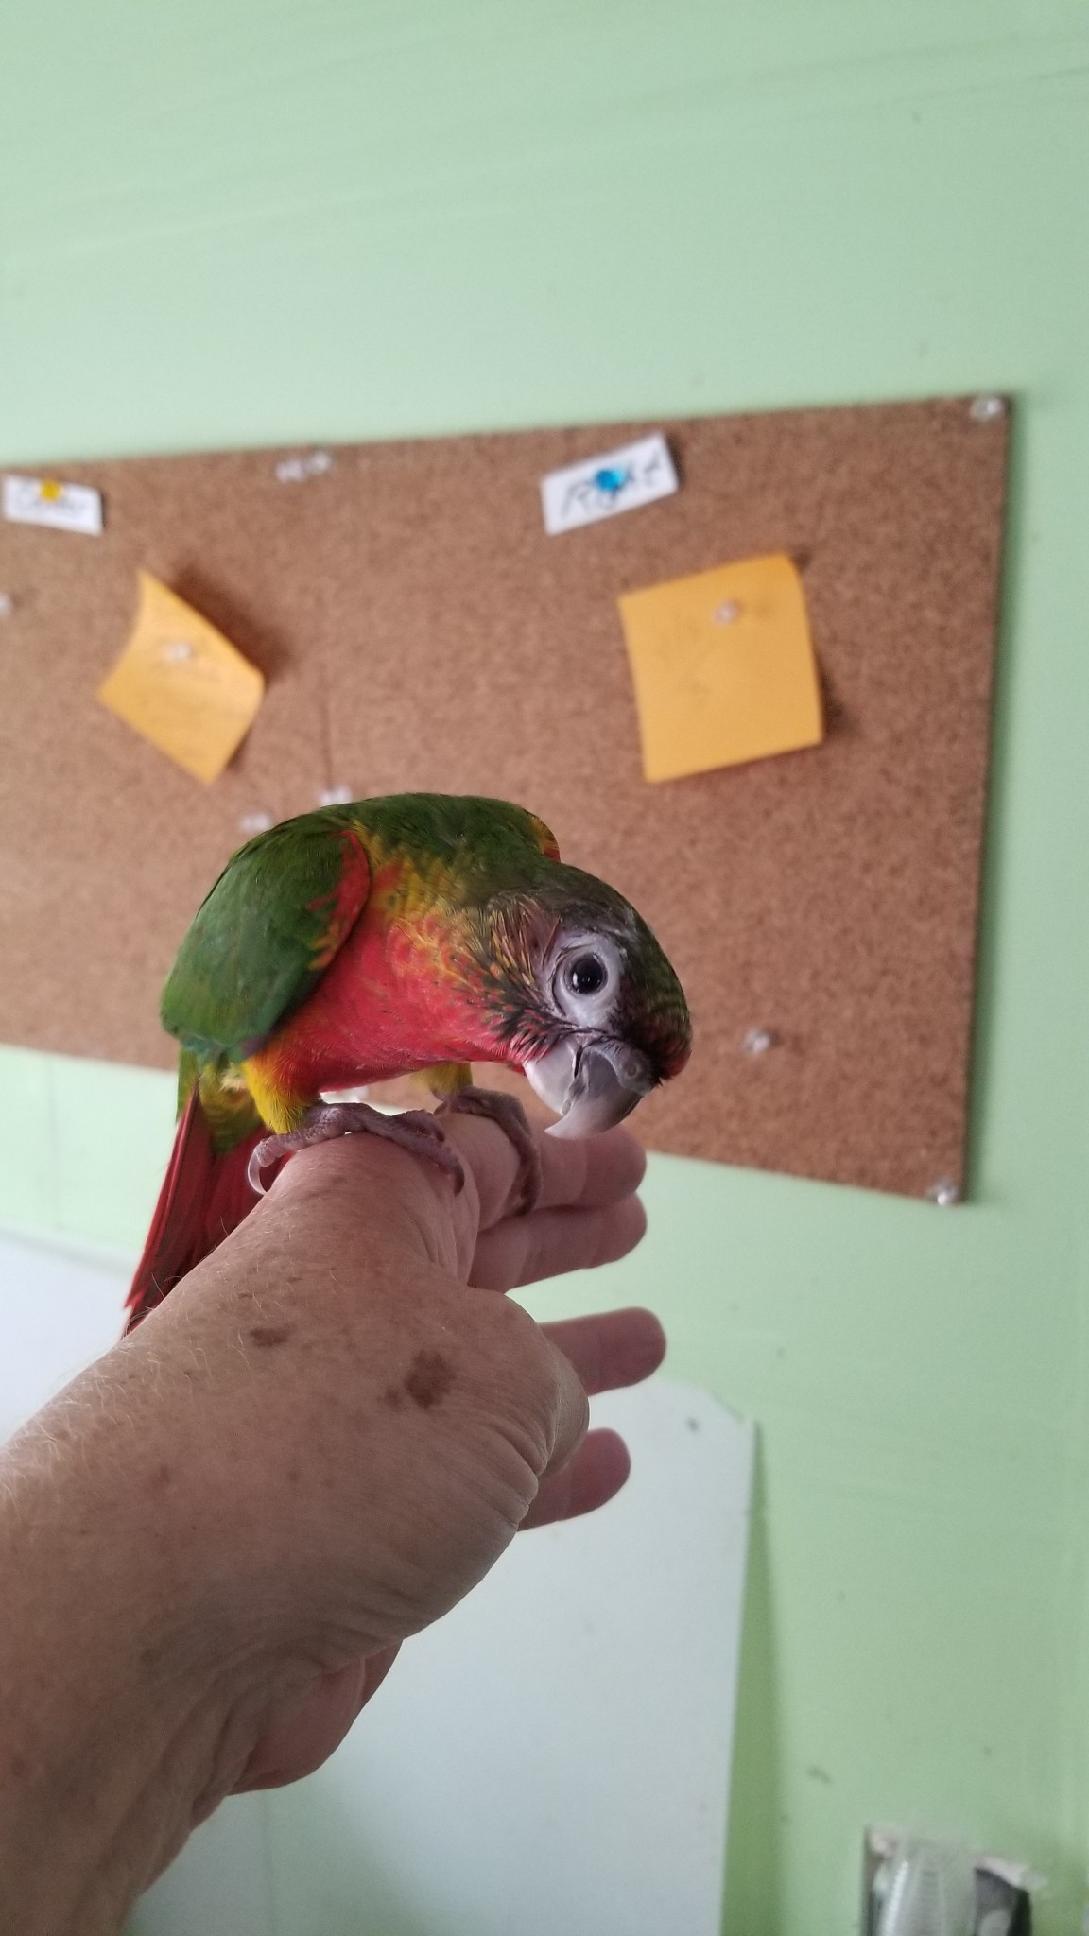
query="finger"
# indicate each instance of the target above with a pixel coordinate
(570, 1411)
(521, 1250)
(590, 1174)
(593, 1476)
(611, 1349)
(595, 1171)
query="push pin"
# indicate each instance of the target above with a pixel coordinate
(729, 611)
(757, 1041)
(177, 651)
(944, 1192)
(335, 796)
(987, 408)
(611, 482)
(293, 470)
(255, 823)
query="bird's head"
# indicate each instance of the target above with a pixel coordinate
(581, 997)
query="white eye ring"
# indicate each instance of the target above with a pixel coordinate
(585, 976)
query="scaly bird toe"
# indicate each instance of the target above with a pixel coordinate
(414, 1130)
(509, 1116)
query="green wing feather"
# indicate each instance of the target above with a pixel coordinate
(264, 935)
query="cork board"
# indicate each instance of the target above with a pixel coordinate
(418, 629)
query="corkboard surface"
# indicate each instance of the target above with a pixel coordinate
(419, 630)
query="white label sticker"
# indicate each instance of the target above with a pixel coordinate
(45, 500)
(599, 487)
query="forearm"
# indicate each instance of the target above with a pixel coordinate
(124, 1716)
(158, 1614)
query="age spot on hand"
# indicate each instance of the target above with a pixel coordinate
(270, 1334)
(429, 1379)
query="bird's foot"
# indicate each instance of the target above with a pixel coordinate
(414, 1130)
(509, 1116)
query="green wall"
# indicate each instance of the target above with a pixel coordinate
(239, 221)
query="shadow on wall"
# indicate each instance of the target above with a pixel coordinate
(756, 1820)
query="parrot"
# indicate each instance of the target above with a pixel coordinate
(412, 934)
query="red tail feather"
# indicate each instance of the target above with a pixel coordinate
(204, 1197)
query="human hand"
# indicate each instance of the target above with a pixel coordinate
(215, 1539)
(588, 1215)
(331, 1429)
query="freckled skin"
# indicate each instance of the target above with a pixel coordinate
(270, 1334)
(429, 1379)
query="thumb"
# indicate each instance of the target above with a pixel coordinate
(572, 1413)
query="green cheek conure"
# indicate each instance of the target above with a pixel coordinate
(413, 934)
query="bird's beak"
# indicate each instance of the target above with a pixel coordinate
(591, 1088)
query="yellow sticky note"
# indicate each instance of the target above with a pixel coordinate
(182, 685)
(723, 667)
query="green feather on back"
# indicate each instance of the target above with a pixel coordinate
(265, 934)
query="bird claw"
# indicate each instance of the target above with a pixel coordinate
(414, 1130)
(509, 1116)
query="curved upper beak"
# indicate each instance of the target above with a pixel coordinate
(590, 1088)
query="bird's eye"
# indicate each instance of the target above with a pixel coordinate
(585, 974)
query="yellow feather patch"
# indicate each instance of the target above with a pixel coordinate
(276, 1104)
(446, 1079)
